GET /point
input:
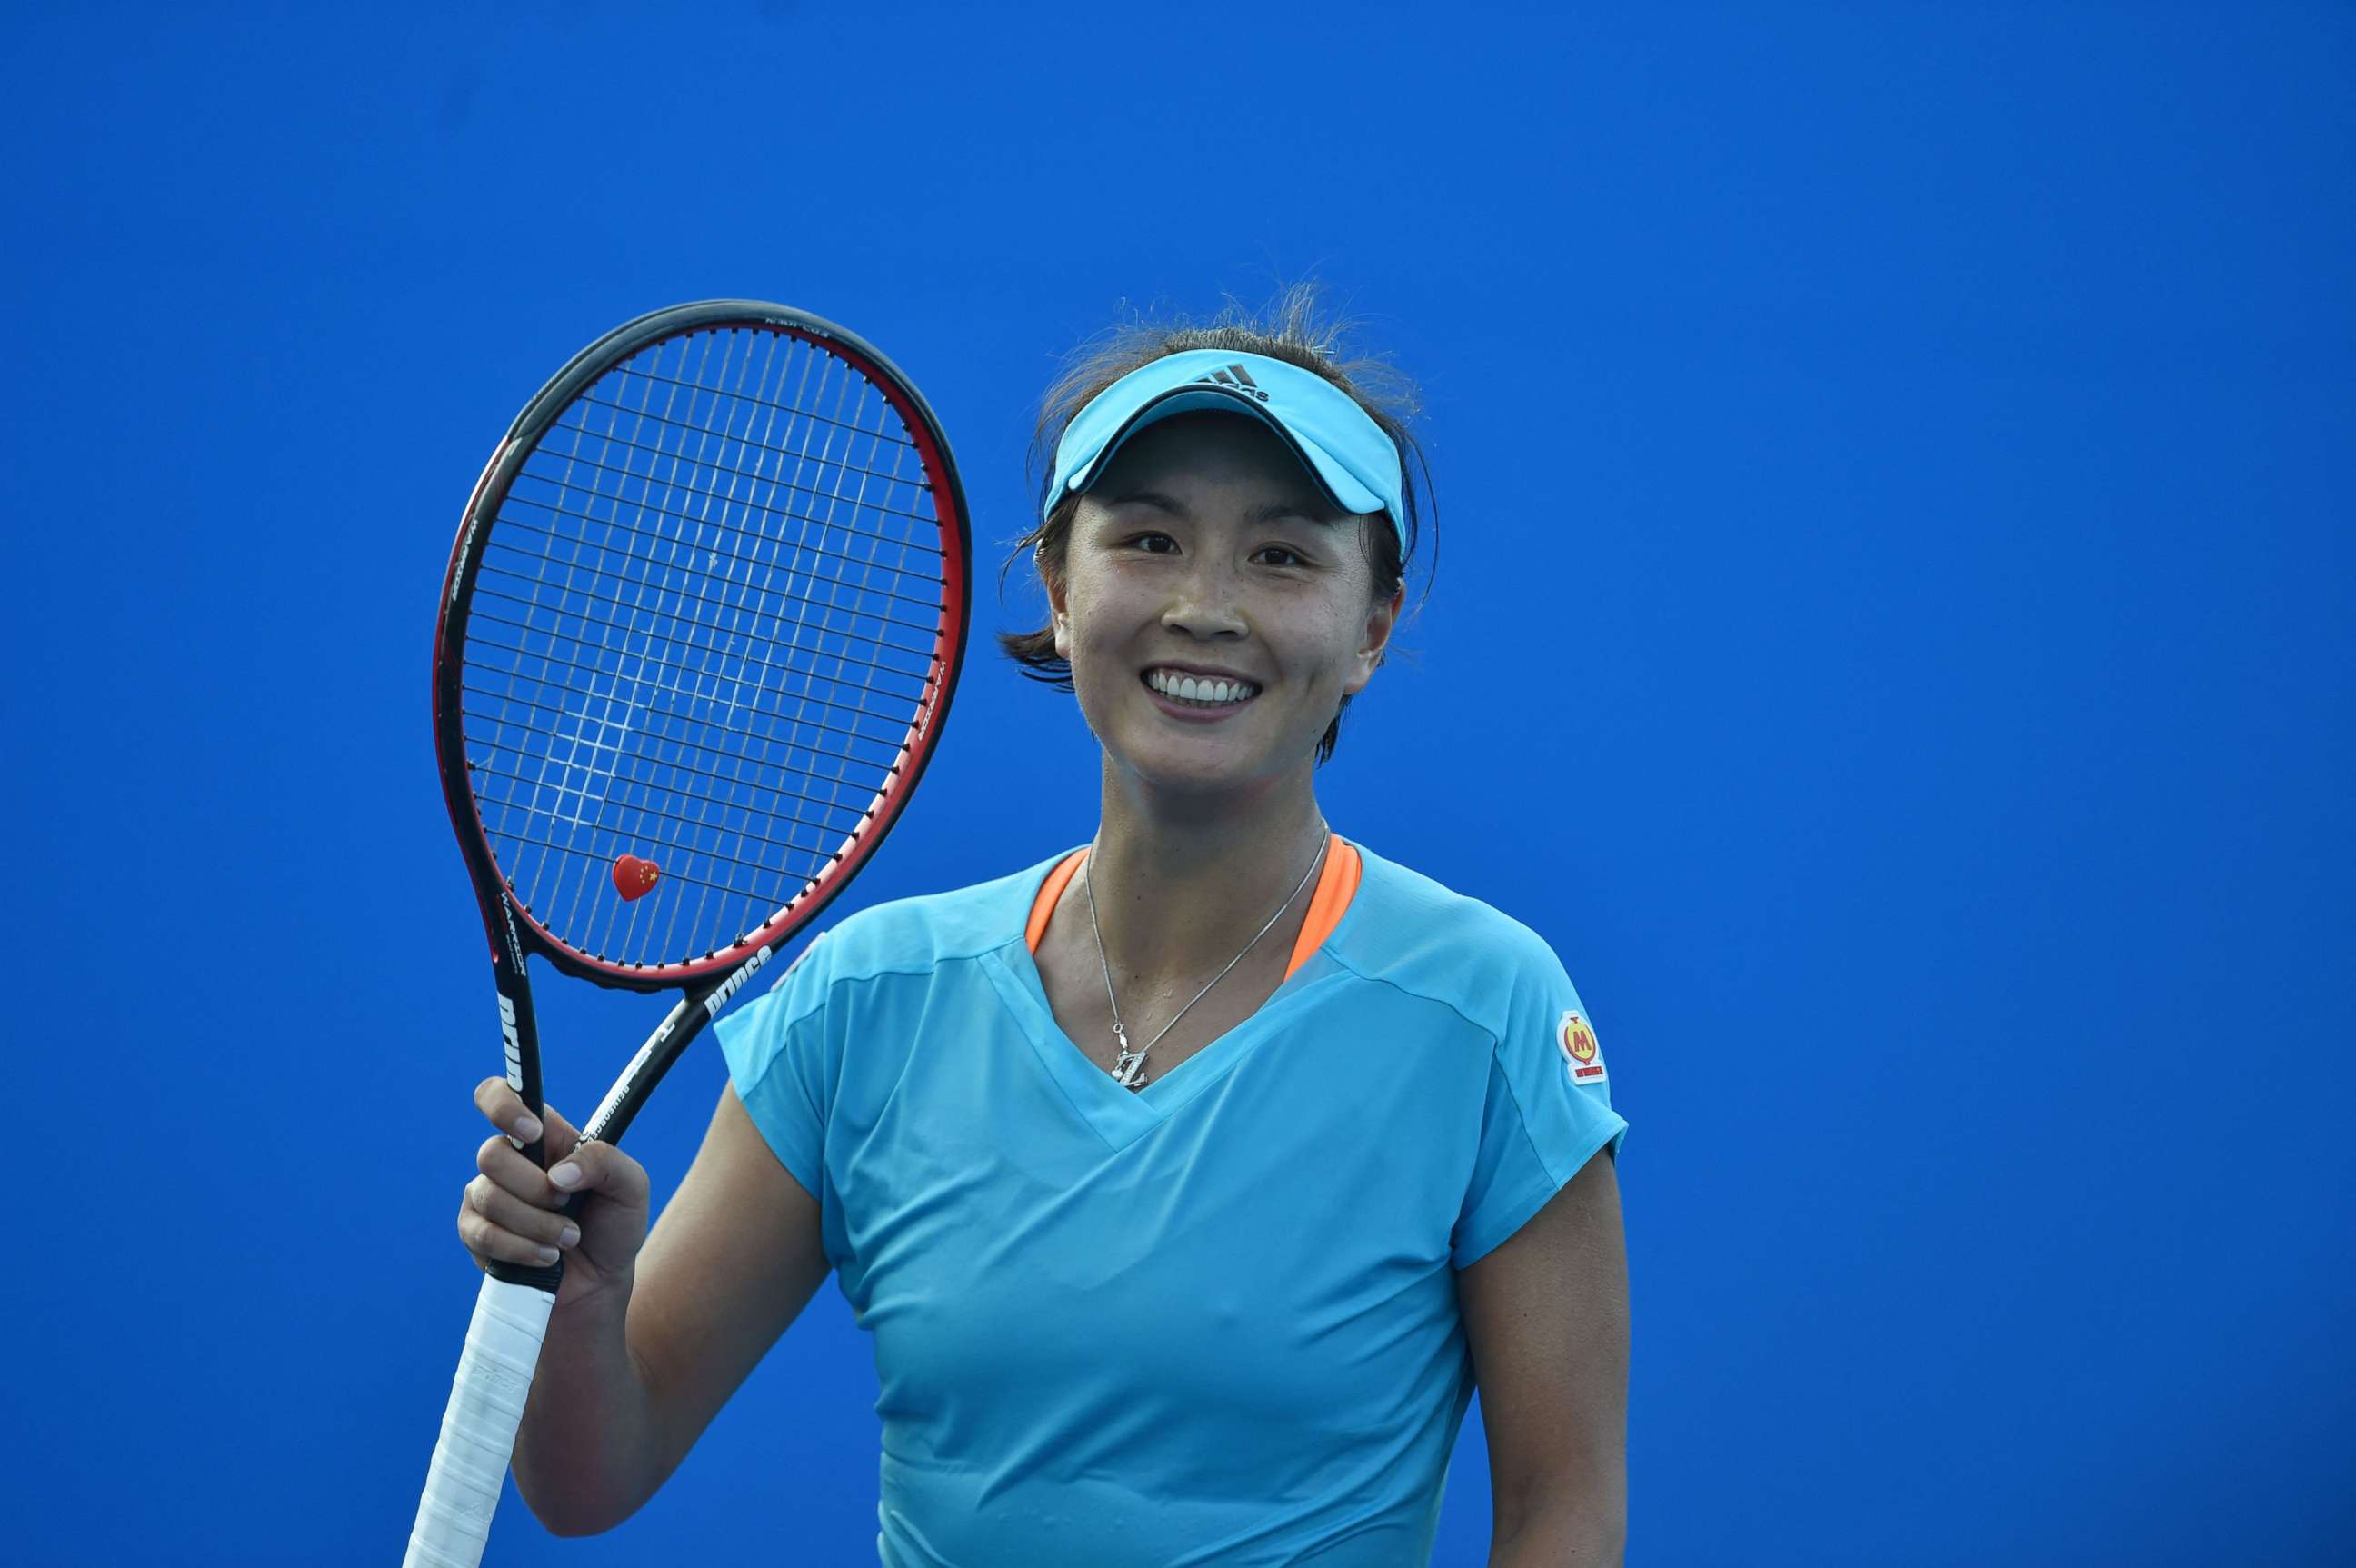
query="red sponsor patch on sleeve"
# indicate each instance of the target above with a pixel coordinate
(1583, 1057)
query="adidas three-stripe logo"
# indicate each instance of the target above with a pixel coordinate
(1236, 378)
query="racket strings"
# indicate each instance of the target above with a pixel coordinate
(577, 518)
(667, 831)
(518, 788)
(521, 791)
(734, 475)
(742, 887)
(619, 443)
(690, 660)
(494, 561)
(683, 744)
(636, 370)
(919, 675)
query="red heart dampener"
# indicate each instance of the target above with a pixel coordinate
(633, 876)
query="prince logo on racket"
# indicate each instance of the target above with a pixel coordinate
(734, 983)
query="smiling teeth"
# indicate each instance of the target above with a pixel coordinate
(1205, 692)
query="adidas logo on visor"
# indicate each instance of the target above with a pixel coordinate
(1236, 378)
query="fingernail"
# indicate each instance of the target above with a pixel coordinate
(572, 1236)
(567, 1174)
(548, 1254)
(527, 1128)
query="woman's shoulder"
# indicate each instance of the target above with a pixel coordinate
(920, 931)
(1401, 893)
(1414, 931)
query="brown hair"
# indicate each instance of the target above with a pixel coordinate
(1289, 331)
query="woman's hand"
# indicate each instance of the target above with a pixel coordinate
(510, 1212)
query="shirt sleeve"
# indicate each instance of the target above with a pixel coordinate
(777, 1059)
(1547, 1110)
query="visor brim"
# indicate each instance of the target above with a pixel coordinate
(1340, 487)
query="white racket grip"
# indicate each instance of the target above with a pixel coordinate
(478, 1428)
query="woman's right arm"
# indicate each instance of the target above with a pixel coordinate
(652, 1334)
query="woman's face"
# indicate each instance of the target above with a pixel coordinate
(1206, 550)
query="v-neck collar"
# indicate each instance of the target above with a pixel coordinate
(1122, 1115)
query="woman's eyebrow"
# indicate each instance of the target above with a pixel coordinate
(1320, 515)
(1258, 517)
(1150, 497)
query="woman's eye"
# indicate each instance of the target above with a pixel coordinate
(1150, 538)
(1291, 558)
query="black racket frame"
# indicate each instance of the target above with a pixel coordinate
(709, 981)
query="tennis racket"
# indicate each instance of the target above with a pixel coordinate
(697, 641)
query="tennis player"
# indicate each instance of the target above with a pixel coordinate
(1188, 1181)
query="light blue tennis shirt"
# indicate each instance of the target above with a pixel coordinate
(1212, 1321)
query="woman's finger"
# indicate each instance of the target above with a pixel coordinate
(505, 1168)
(511, 1214)
(493, 1243)
(503, 1108)
(562, 1136)
(604, 1169)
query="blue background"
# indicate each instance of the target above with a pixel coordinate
(1891, 637)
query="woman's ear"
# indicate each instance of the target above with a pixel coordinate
(1382, 619)
(1059, 614)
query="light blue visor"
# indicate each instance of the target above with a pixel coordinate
(1354, 463)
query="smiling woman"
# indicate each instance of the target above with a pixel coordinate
(1188, 1180)
(1292, 337)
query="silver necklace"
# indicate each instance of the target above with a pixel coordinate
(1128, 1069)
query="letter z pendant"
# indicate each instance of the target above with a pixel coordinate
(1128, 1069)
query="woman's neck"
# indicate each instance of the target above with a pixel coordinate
(1179, 893)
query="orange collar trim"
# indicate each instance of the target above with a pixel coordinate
(1336, 885)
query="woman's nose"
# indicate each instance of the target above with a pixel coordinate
(1205, 604)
